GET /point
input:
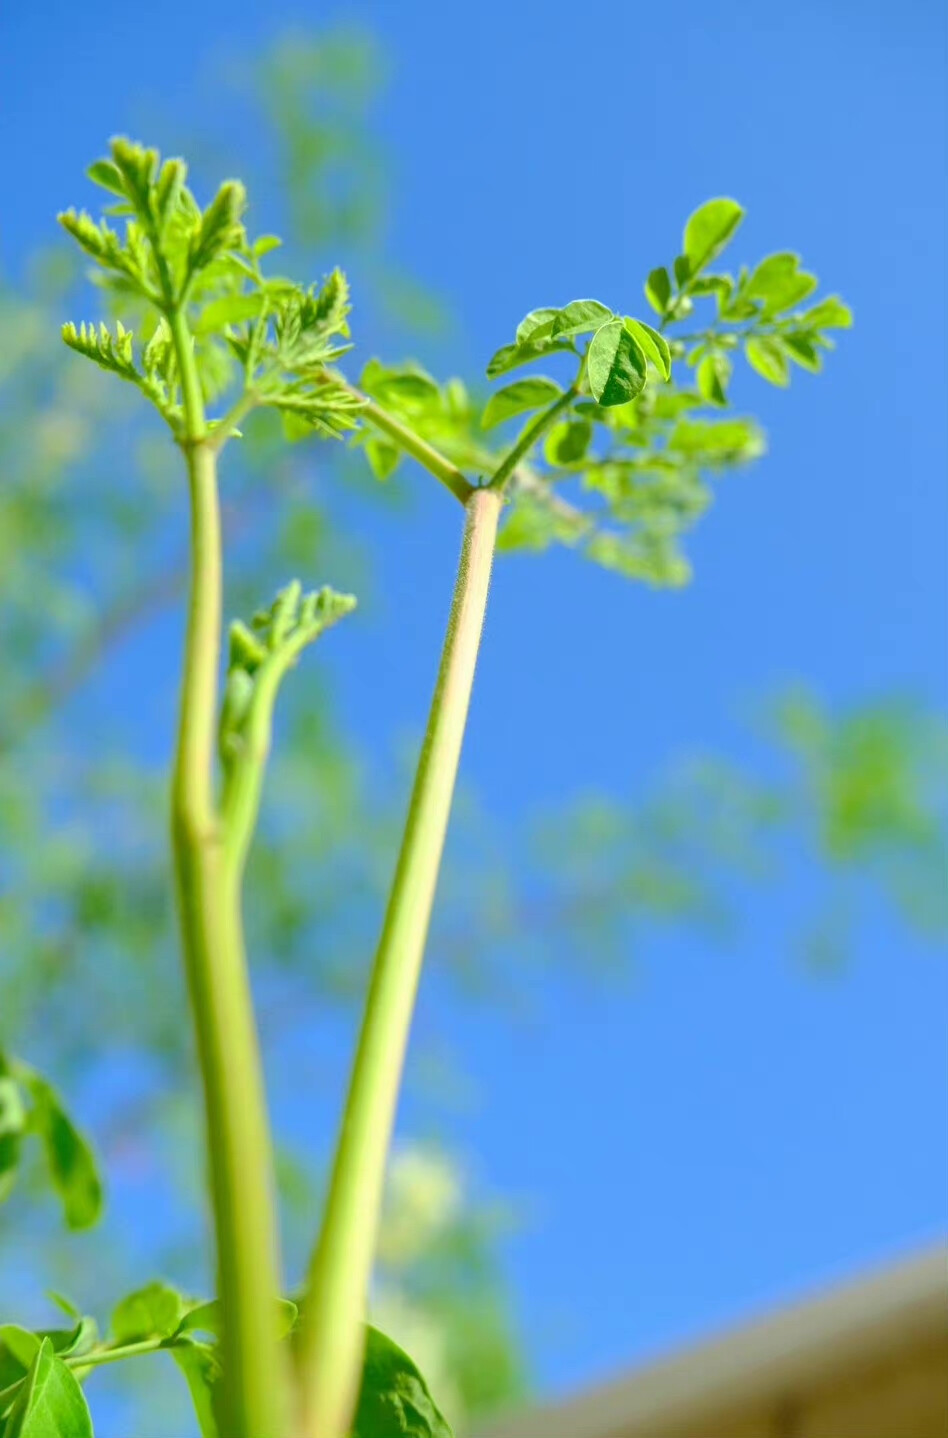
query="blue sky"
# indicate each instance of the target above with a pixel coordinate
(726, 1131)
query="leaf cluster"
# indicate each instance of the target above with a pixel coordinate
(260, 654)
(639, 436)
(616, 462)
(193, 280)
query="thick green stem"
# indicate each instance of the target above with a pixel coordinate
(238, 1142)
(332, 1334)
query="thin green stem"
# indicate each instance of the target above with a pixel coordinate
(332, 1334)
(242, 794)
(245, 783)
(192, 399)
(238, 1141)
(225, 427)
(115, 1355)
(93, 1360)
(419, 449)
(528, 439)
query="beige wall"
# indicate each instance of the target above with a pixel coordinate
(868, 1359)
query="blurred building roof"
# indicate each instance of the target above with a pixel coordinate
(867, 1359)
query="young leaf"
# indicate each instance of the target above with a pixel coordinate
(383, 457)
(829, 314)
(220, 227)
(713, 375)
(78, 1339)
(111, 352)
(154, 1311)
(579, 317)
(658, 290)
(654, 345)
(708, 230)
(767, 357)
(615, 365)
(536, 323)
(50, 1403)
(803, 352)
(108, 175)
(682, 268)
(394, 1401)
(137, 167)
(517, 398)
(780, 283)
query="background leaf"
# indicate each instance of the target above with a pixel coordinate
(767, 357)
(518, 398)
(708, 230)
(154, 1311)
(72, 1163)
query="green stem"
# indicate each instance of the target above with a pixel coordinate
(97, 1357)
(238, 1141)
(227, 425)
(332, 1333)
(528, 439)
(115, 1355)
(419, 449)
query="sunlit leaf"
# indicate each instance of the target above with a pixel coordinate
(708, 230)
(653, 345)
(616, 365)
(580, 317)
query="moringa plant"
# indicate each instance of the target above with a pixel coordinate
(614, 459)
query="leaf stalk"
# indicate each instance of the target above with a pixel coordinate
(331, 1335)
